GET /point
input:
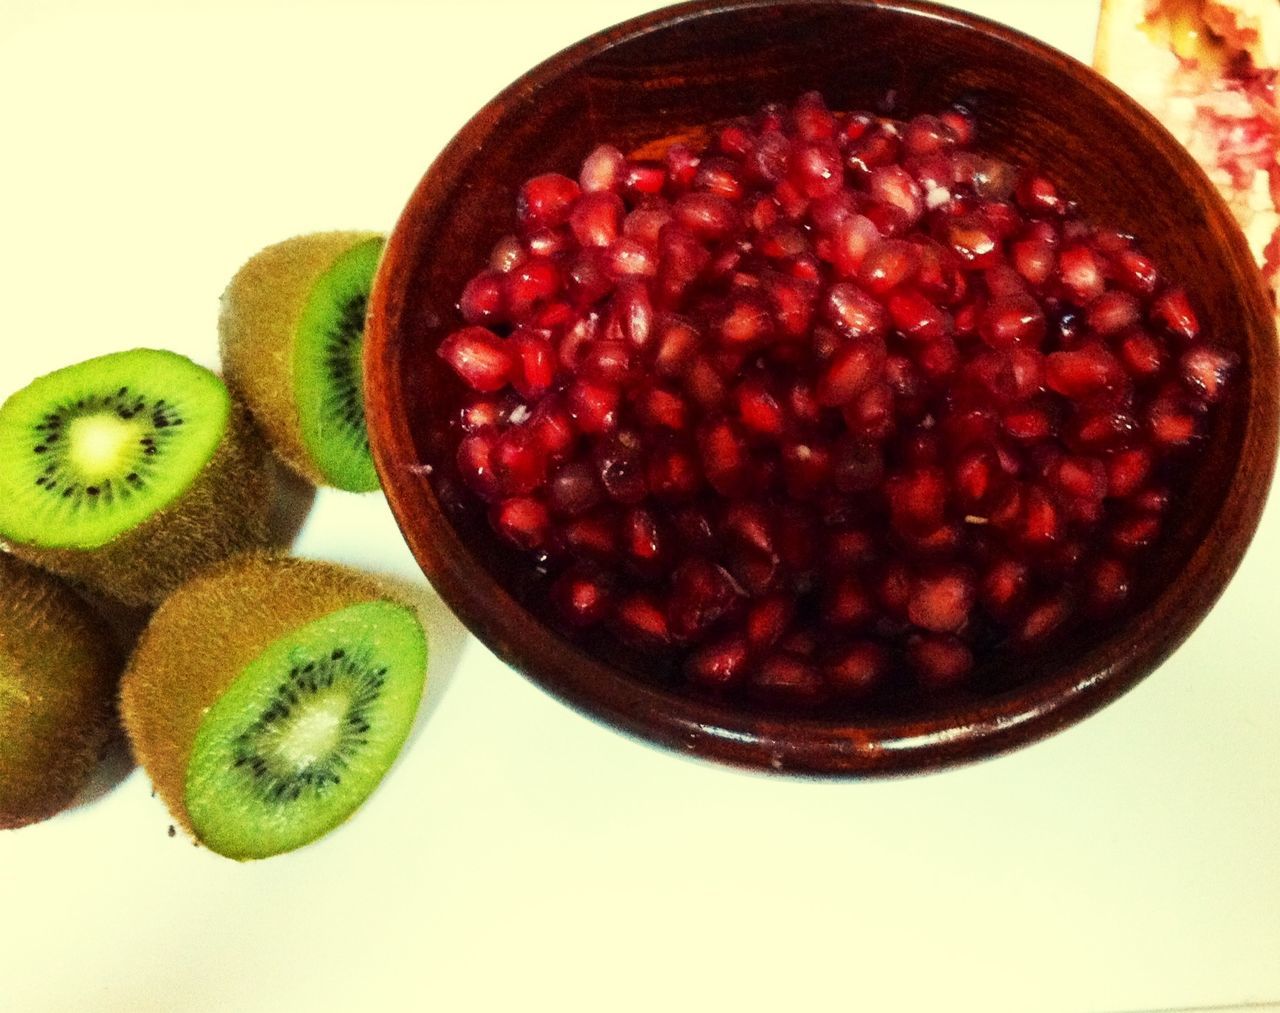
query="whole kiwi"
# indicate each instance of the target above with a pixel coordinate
(58, 670)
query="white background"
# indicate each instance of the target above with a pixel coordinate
(521, 857)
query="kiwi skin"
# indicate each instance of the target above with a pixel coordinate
(57, 655)
(203, 637)
(261, 309)
(226, 510)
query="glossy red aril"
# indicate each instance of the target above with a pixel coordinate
(832, 402)
(480, 357)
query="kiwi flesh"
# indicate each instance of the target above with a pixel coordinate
(268, 697)
(58, 670)
(292, 338)
(128, 472)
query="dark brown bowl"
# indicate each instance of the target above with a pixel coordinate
(679, 69)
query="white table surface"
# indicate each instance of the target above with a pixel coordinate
(521, 857)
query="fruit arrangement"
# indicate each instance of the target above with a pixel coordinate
(266, 696)
(831, 407)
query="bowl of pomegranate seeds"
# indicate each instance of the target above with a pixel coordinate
(826, 387)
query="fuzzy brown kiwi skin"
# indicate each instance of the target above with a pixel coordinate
(226, 510)
(205, 635)
(257, 331)
(62, 657)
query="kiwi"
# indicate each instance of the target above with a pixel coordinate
(130, 471)
(58, 671)
(268, 697)
(292, 335)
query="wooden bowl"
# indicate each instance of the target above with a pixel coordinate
(677, 70)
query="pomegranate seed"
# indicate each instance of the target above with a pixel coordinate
(1172, 310)
(620, 466)
(642, 539)
(676, 343)
(641, 619)
(593, 537)
(1114, 312)
(1085, 371)
(719, 176)
(941, 601)
(917, 499)
(973, 473)
(720, 664)
(702, 594)
(941, 662)
(1045, 618)
(518, 462)
(1171, 424)
(815, 169)
(1142, 355)
(574, 490)
(893, 185)
(674, 474)
(974, 241)
(1205, 370)
(854, 312)
(479, 357)
(894, 588)
(597, 218)
(1136, 273)
(848, 604)
(745, 322)
(786, 677)
(581, 596)
(594, 406)
(926, 135)
(1012, 320)
(546, 201)
(853, 368)
(1081, 274)
(1037, 195)
(767, 621)
(870, 416)
(534, 369)
(644, 178)
(474, 458)
(1003, 586)
(806, 468)
(602, 170)
(707, 215)
(724, 457)
(629, 258)
(852, 240)
(812, 120)
(535, 281)
(1108, 586)
(484, 299)
(960, 123)
(704, 384)
(1082, 477)
(1035, 260)
(874, 148)
(758, 409)
(856, 670)
(1127, 472)
(645, 223)
(918, 318)
(682, 167)
(507, 254)
(887, 265)
(791, 301)
(1041, 524)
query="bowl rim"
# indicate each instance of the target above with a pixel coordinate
(804, 745)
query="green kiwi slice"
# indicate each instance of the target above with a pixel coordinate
(268, 697)
(306, 731)
(128, 471)
(58, 671)
(292, 337)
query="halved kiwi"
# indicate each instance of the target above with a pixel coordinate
(130, 471)
(268, 697)
(58, 670)
(292, 332)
